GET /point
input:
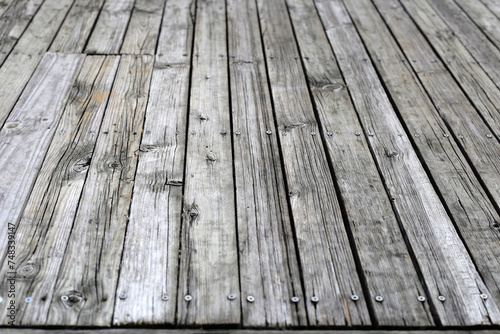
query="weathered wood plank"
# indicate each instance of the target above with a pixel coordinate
(4, 5)
(149, 269)
(46, 222)
(86, 286)
(144, 27)
(13, 23)
(467, 202)
(269, 268)
(327, 264)
(441, 256)
(27, 134)
(240, 331)
(387, 266)
(77, 26)
(29, 51)
(493, 6)
(209, 251)
(109, 31)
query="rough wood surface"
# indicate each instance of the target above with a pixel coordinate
(269, 269)
(327, 263)
(483, 18)
(209, 250)
(441, 256)
(47, 220)
(149, 268)
(13, 23)
(109, 31)
(89, 282)
(4, 5)
(240, 331)
(144, 27)
(27, 133)
(493, 6)
(76, 28)
(29, 51)
(467, 202)
(387, 267)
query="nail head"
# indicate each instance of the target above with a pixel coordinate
(188, 298)
(250, 299)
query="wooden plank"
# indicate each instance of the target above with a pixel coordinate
(269, 268)
(442, 258)
(13, 23)
(28, 52)
(144, 28)
(28, 132)
(478, 86)
(149, 269)
(89, 282)
(209, 251)
(467, 202)
(4, 5)
(77, 27)
(240, 331)
(328, 267)
(493, 6)
(388, 270)
(109, 31)
(46, 222)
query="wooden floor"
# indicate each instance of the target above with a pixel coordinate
(250, 164)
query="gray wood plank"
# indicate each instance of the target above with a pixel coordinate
(443, 260)
(327, 263)
(387, 267)
(13, 23)
(209, 250)
(241, 331)
(149, 268)
(4, 5)
(269, 268)
(89, 282)
(27, 134)
(77, 26)
(46, 222)
(467, 202)
(493, 6)
(29, 51)
(109, 31)
(144, 27)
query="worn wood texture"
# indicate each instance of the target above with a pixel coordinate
(86, 286)
(269, 268)
(149, 268)
(4, 6)
(27, 134)
(327, 263)
(464, 196)
(76, 28)
(47, 220)
(209, 251)
(493, 6)
(387, 267)
(28, 51)
(442, 258)
(478, 86)
(109, 31)
(13, 23)
(144, 27)
(240, 331)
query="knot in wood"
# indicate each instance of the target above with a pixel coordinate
(82, 165)
(26, 270)
(149, 148)
(115, 165)
(73, 297)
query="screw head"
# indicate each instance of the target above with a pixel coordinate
(441, 298)
(122, 295)
(1, 299)
(329, 133)
(483, 296)
(358, 133)
(223, 132)
(28, 299)
(165, 298)
(61, 132)
(489, 135)
(268, 132)
(355, 297)
(446, 135)
(313, 133)
(314, 299)
(188, 298)
(460, 136)
(250, 299)
(400, 134)
(379, 298)
(193, 132)
(371, 134)
(272, 57)
(238, 133)
(295, 299)
(417, 135)
(421, 298)
(231, 296)
(64, 298)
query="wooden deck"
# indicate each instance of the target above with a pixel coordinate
(271, 164)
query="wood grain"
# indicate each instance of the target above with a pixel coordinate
(100, 223)
(4, 6)
(269, 268)
(442, 258)
(47, 220)
(209, 250)
(387, 266)
(77, 26)
(144, 27)
(109, 31)
(327, 263)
